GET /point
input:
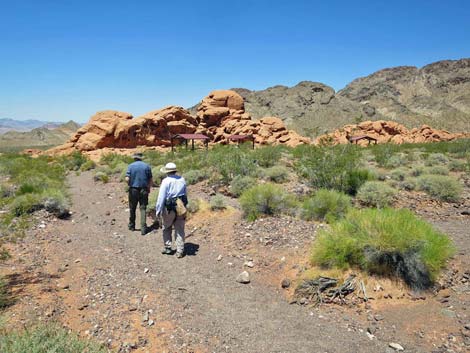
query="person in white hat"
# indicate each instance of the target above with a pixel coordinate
(171, 203)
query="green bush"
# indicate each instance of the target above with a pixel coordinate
(457, 165)
(356, 178)
(441, 187)
(265, 199)
(193, 205)
(408, 184)
(437, 170)
(267, 156)
(399, 174)
(194, 176)
(217, 202)
(417, 170)
(436, 159)
(72, 161)
(384, 241)
(241, 183)
(383, 153)
(396, 160)
(228, 162)
(27, 203)
(375, 194)
(337, 167)
(5, 298)
(157, 175)
(326, 205)
(101, 176)
(46, 339)
(276, 174)
(88, 165)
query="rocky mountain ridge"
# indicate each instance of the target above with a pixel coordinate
(437, 94)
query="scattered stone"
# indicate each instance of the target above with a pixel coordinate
(77, 261)
(285, 283)
(467, 326)
(396, 346)
(378, 317)
(249, 264)
(243, 277)
(303, 301)
(145, 318)
(151, 322)
(219, 257)
(465, 213)
(146, 270)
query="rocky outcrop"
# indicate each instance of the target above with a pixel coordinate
(386, 131)
(220, 115)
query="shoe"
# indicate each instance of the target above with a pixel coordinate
(132, 228)
(144, 230)
(179, 255)
(167, 251)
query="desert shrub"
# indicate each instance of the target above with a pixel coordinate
(399, 174)
(193, 205)
(267, 156)
(101, 176)
(157, 175)
(375, 194)
(217, 202)
(119, 168)
(384, 241)
(113, 159)
(436, 159)
(88, 165)
(5, 298)
(383, 153)
(153, 196)
(441, 187)
(326, 205)
(72, 161)
(457, 165)
(27, 203)
(417, 170)
(437, 170)
(335, 168)
(265, 199)
(228, 162)
(356, 178)
(194, 176)
(240, 183)
(277, 174)
(396, 160)
(408, 184)
(48, 338)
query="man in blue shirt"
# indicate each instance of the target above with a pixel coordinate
(172, 191)
(139, 179)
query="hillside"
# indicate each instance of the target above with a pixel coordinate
(437, 94)
(38, 137)
(7, 124)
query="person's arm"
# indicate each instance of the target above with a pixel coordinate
(150, 178)
(161, 198)
(128, 175)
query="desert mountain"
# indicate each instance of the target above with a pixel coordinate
(7, 124)
(437, 94)
(38, 137)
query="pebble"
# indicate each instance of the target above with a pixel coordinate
(77, 261)
(243, 277)
(396, 346)
(146, 270)
(467, 326)
(151, 322)
(249, 264)
(285, 283)
(219, 257)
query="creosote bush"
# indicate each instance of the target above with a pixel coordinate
(327, 205)
(101, 176)
(437, 170)
(375, 194)
(441, 187)
(436, 159)
(241, 183)
(217, 202)
(276, 174)
(193, 205)
(384, 241)
(194, 176)
(266, 199)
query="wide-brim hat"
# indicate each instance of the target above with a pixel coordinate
(138, 155)
(168, 168)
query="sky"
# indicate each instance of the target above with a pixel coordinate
(65, 60)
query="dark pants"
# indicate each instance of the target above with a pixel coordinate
(138, 196)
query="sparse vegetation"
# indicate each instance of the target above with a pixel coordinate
(241, 183)
(217, 202)
(42, 339)
(276, 174)
(441, 187)
(376, 194)
(194, 176)
(384, 241)
(265, 199)
(327, 205)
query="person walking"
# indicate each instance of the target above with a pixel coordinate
(139, 179)
(171, 206)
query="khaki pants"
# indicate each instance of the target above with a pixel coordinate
(170, 220)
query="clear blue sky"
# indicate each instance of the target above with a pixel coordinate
(62, 60)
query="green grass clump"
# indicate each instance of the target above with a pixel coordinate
(193, 205)
(101, 176)
(375, 194)
(88, 165)
(457, 165)
(399, 174)
(5, 299)
(384, 241)
(437, 170)
(194, 176)
(417, 170)
(217, 203)
(326, 205)
(46, 339)
(241, 183)
(227, 162)
(267, 156)
(276, 174)
(265, 199)
(441, 187)
(408, 184)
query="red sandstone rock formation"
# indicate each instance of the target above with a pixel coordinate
(386, 131)
(220, 115)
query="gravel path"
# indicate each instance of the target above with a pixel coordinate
(123, 275)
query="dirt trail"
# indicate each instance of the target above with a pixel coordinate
(104, 281)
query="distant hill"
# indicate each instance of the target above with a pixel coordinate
(7, 124)
(40, 137)
(437, 94)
